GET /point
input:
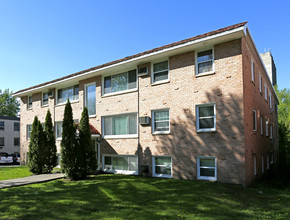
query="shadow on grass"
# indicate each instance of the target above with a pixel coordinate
(131, 197)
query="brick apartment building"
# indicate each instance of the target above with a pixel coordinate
(200, 108)
(9, 134)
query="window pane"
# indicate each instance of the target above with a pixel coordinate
(254, 120)
(132, 82)
(91, 99)
(107, 85)
(164, 115)
(133, 164)
(207, 162)
(108, 161)
(108, 126)
(205, 67)
(163, 170)
(162, 126)
(133, 124)
(207, 172)
(206, 123)
(119, 82)
(120, 163)
(157, 67)
(120, 125)
(163, 161)
(161, 76)
(76, 92)
(204, 56)
(206, 111)
(45, 98)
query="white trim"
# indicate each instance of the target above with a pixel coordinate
(255, 125)
(152, 71)
(252, 70)
(197, 117)
(271, 131)
(119, 92)
(261, 125)
(242, 28)
(198, 168)
(85, 96)
(119, 171)
(28, 102)
(153, 121)
(160, 174)
(196, 62)
(260, 83)
(267, 128)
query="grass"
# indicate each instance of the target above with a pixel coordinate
(7, 173)
(134, 197)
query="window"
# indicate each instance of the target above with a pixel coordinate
(16, 126)
(261, 124)
(44, 98)
(204, 62)
(254, 120)
(270, 100)
(28, 130)
(272, 157)
(253, 70)
(160, 71)
(160, 121)
(162, 166)
(120, 125)
(266, 92)
(206, 168)
(267, 132)
(125, 164)
(120, 82)
(262, 163)
(2, 125)
(206, 117)
(271, 131)
(255, 165)
(16, 141)
(90, 98)
(71, 93)
(260, 83)
(1, 141)
(29, 102)
(58, 129)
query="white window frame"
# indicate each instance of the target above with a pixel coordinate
(119, 171)
(252, 70)
(28, 105)
(196, 62)
(263, 164)
(2, 128)
(71, 101)
(271, 131)
(42, 99)
(57, 135)
(261, 125)
(267, 128)
(198, 168)
(119, 92)
(255, 165)
(160, 174)
(270, 100)
(197, 118)
(255, 125)
(28, 132)
(260, 83)
(85, 97)
(152, 71)
(153, 121)
(119, 136)
(266, 91)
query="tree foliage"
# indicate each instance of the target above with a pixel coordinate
(284, 106)
(50, 150)
(9, 106)
(37, 145)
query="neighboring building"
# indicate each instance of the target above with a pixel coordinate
(9, 134)
(200, 108)
(270, 66)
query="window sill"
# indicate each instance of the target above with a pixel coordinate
(206, 130)
(160, 82)
(92, 116)
(119, 93)
(43, 106)
(120, 136)
(58, 139)
(207, 178)
(162, 133)
(204, 74)
(63, 103)
(162, 175)
(121, 172)
(29, 109)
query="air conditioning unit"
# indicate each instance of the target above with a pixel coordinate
(145, 120)
(143, 71)
(50, 94)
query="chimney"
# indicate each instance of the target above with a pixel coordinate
(270, 66)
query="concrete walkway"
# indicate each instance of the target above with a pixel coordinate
(30, 180)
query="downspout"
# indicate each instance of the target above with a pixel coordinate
(138, 112)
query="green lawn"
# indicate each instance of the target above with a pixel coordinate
(7, 173)
(133, 197)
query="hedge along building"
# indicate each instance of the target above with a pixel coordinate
(200, 108)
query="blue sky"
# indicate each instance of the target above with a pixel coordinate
(48, 39)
